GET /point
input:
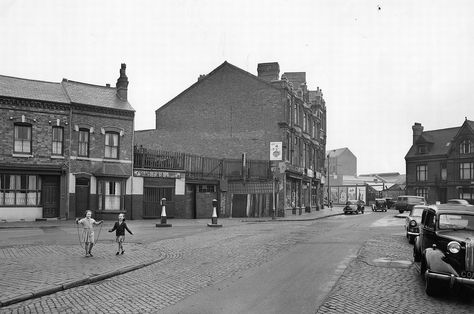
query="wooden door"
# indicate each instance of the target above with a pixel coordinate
(82, 196)
(239, 205)
(50, 196)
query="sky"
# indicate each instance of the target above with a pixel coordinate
(382, 65)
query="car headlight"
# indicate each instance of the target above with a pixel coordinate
(454, 247)
(412, 223)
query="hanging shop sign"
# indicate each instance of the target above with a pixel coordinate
(276, 152)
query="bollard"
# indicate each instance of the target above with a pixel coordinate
(214, 215)
(163, 215)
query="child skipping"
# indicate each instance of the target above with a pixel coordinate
(120, 226)
(88, 231)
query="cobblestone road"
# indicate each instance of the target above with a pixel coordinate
(380, 280)
(189, 264)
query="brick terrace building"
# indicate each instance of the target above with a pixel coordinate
(230, 112)
(65, 148)
(440, 163)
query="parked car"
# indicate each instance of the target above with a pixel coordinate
(412, 223)
(380, 204)
(458, 201)
(390, 202)
(354, 207)
(445, 247)
(406, 202)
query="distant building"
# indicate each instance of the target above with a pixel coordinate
(440, 163)
(65, 148)
(341, 161)
(230, 113)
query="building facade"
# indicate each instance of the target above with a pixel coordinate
(230, 113)
(440, 163)
(66, 147)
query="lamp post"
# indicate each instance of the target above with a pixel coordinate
(329, 190)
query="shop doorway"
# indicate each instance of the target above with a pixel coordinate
(50, 196)
(82, 196)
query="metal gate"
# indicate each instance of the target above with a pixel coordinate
(152, 201)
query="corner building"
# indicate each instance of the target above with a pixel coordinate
(65, 148)
(440, 163)
(230, 112)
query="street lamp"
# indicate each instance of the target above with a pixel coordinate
(329, 191)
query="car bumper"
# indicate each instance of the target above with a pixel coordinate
(452, 280)
(413, 231)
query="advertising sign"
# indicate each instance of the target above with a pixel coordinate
(276, 150)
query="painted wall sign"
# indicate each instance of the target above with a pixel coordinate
(156, 174)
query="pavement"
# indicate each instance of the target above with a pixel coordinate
(34, 269)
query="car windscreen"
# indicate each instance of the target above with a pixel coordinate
(456, 222)
(414, 199)
(416, 211)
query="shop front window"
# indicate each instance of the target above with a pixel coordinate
(20, 190)
(110, 195)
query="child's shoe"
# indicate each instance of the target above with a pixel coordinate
(122, 252)
(117, 253)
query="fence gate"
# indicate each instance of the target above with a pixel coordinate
(152, 201)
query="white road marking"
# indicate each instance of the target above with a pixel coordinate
(388, 222)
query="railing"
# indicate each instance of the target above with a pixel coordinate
(200, 167)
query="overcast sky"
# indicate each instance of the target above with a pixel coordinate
(382, 65)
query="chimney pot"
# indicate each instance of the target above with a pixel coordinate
(122, 83)
(417, 131)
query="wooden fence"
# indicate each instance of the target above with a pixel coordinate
(200, 167)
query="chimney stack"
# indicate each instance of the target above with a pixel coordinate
(122, 84)
(417, 130)
(269, 71)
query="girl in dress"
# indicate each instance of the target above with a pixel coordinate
(88, 232)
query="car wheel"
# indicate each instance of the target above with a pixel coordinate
(411, 239)
(400, 211)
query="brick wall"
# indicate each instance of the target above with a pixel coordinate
(225, 114)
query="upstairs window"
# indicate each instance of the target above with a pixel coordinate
(22, 138)
(83, 150)
(465, 147)
(466, 170)
(421, 173)
(422, 149)
(111, 145)
(58, 135)
(444, 172)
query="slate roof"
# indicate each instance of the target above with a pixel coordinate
(94, 95)
(32, 89)
(439, 141)
(66, 92)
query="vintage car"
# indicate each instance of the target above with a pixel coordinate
(445, 247)
(354, 207)
(380, 204)
(406, 202)
(412, 223)
(390, 202)
(458, 201)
